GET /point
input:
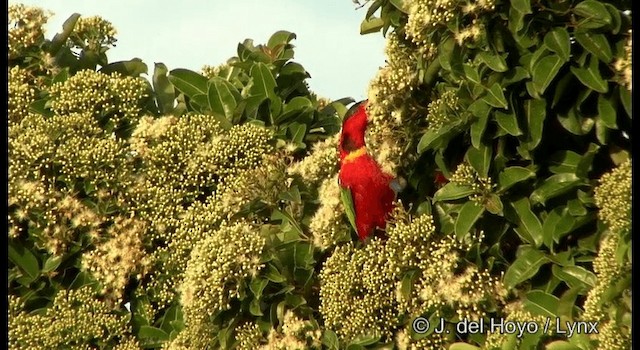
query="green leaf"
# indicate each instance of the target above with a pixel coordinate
(554, 186)
(561, 345)
(481, 110)
(347, 203)
(524, 267)
(164, 91)
(590, 76)
(462, 346)
(544, 71)
(508, 122)
(494, 61)
(535, 112)
(51, 264)
(281, 37)
(25, 260)
(557, 40)
(469, 214)
(452, 191)
(371, 25)
(564, 161)
(512, 175)
(575, 276)
(625, 98)
(540, 303)
(607, 113)
(61, 38)
(515, 75)
(594, 12)
(434, 138)
(254, 307)
(297, 131)
(152, 335)
(272, 273)
(132, 68)
(330, 340)
(522, 6)
(557, 223)
(480, 159)
(595, 43)
(263, 81)
(494, 205)
(495, 97)
(586, 161)
(257, 285)
(222, 97)
(529, 221)
(188, 82)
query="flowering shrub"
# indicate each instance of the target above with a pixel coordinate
(196, 210)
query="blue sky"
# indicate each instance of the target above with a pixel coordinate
(192, 33)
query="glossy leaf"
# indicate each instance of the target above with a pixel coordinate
(188, 82)
(557, 41)
(469, 214)
(524, 267)
(163, 89)
(528, 221)
(452, 191)
(545, 70)
(590, 76)
(495, 97)
(480, 159)
(222, 97)
(540, 303)
(595, 43)
(508, 123)
(132, 68)
(607, 113)
(349, 209)
(494, 61)
(512, 175)
(522, 6)
(554, 186)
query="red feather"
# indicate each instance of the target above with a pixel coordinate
(362, 175)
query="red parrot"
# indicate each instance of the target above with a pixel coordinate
(371, 190)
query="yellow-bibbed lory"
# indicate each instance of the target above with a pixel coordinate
(367, 191)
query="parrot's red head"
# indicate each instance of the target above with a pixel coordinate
(354, 126)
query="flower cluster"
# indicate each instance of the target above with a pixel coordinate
(219, 264)
(327, 225)
(26, 28)
(466, 175)
(93, 33)
(515, 312)
(444, 110)
(296, 334)
(357, 291)
(320, 164)
(248, 336)
(113, 96)
(261, 183)
(387, 106)
(197, 336)
(613, 197)
(623, 65)
(21, 94)
(612, 337)
(119, 257)
(427, 15)
(77, 319)
(404, 341)
(365, 290)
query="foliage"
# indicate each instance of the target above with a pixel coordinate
(188, 210)
(524, 106)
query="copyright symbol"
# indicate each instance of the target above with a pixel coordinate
(420, 325)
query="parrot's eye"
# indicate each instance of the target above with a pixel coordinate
(348, 144)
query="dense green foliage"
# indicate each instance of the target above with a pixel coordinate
(195, 210)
